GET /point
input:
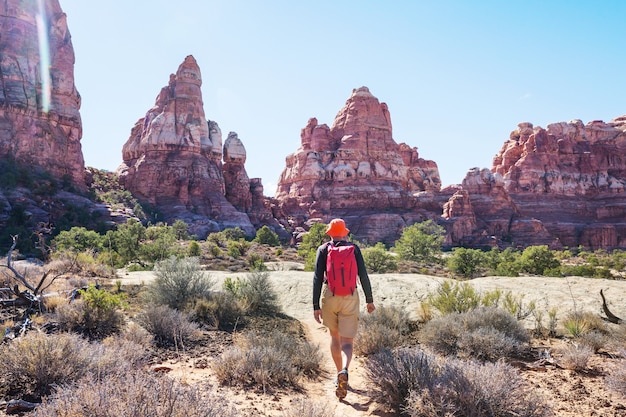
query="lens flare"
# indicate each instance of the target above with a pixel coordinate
(44, 57)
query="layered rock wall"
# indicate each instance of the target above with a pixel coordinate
(173, 159)
(562, 186)
(355, 169)
(40, 123)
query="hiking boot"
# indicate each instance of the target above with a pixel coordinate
(342, 384)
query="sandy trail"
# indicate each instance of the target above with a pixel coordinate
(294, 290)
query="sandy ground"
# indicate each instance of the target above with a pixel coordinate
(570, 393)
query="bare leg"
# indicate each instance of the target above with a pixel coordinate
(340, 350)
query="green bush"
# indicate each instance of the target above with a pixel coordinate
(177, 282)
(454, 298)
(78, 239)
(378, 260)
(95, 314)
(466, 262)
(194, 250)
(238, 248)
(537, 260)
(420, 242)
(267, 236)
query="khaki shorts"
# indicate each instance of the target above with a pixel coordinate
(340, 313)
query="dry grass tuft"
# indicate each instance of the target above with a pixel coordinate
(576, 357)
(268, 360)
(136, 394)
(418, 384)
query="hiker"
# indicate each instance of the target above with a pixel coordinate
(337, 265)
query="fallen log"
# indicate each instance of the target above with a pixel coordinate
(609, 316)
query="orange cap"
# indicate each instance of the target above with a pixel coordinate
(337, 227)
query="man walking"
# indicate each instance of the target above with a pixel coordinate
(337, 264)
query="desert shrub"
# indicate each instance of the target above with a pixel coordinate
(468, 389)
(95, 314)
(177, 282)
(267, 361)
(386, 327)
(307, 407)
(254, 293)
(594, 339)
(577, 323)
(133, 332)
(540, 329)
(417, 384)
(378, 260)
(394, 374)
(420, 242)
(454, 298)
(616, 380)
(220, 310)
(575, 357)
(137, 394)
(466, 262)
(304, 356)
(117, 355)
(168, 326)
(33, 364)
(486, 333)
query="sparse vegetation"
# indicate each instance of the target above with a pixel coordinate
(138, 394)
(417, 384)
(178, 282)
(386, 328)
(485, 333)
(168, 326)
(268, 360)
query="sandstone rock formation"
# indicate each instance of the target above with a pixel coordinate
(356, 170)
(40, 123)
(173, 159)
(562, 186)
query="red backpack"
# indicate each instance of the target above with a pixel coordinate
(341, 269)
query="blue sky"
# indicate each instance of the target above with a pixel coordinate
(457, 76)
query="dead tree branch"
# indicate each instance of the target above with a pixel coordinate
(609, 316)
